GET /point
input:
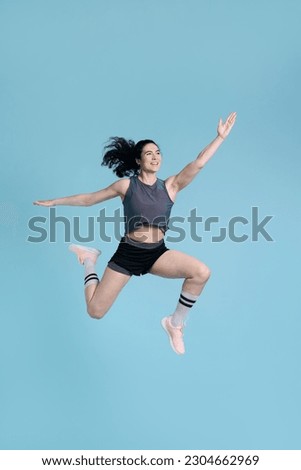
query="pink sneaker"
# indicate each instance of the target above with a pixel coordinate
(84, 252)
(175, 334)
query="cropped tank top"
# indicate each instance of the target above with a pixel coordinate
(146, 204)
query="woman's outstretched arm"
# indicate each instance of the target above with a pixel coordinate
(116, 189)
(182, 179)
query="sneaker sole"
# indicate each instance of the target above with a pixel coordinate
(83, 248)
(80, 250)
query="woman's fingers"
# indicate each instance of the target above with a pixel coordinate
(43, 203)
(232, 117)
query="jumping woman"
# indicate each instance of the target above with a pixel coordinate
(147, 202)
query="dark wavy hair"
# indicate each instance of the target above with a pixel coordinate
(121, 155)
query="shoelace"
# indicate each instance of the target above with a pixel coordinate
(180, 328)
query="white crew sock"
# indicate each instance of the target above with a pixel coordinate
(186, 301)
(90, 274)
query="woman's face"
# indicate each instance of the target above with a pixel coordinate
(150, 158)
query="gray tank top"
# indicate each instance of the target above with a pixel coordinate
(146, 205)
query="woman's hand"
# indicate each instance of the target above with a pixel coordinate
(224, 128)
(45, 203)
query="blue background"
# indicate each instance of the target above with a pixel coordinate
(74, 73)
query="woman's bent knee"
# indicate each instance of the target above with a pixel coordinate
(203, 273)
(207, 273)
(95, 312)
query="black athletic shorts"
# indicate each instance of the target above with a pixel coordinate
(136, 258)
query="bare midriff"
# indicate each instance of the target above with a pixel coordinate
(147, 234)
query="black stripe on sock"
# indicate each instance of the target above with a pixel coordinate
(89, 275)
(184, 303)
(187, 300)
(91, 278)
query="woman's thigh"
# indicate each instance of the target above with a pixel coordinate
(107, 290)
(175, 264)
